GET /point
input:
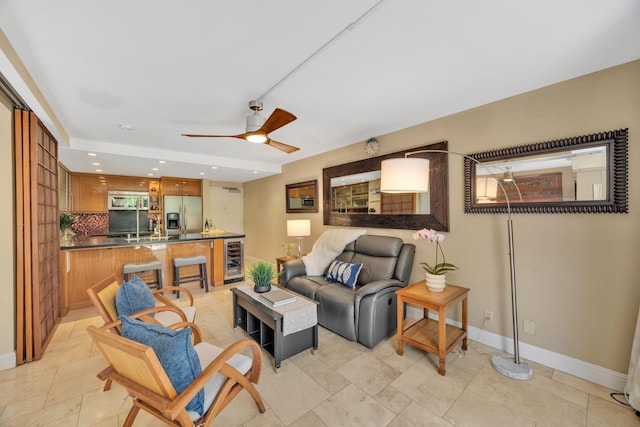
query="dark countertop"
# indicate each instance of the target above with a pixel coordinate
(89, 241)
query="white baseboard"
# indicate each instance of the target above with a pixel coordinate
(7, 361)
(576, 367)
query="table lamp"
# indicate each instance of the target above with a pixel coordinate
(299, 228)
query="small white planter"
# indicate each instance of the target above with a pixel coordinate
(436, 282)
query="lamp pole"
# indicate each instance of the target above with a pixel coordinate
(507, 366)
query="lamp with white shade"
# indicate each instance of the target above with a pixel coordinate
(407, 175)
(299, 228)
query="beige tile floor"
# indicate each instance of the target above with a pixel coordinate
(342, 384)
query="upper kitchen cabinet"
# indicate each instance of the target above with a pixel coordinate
(88, 193)
(127, 183)
(181, 187)
(64, 190)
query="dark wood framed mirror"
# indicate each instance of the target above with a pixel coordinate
(352, 198)
(302, 197)
(582, 174)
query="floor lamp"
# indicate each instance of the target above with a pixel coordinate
(407, 175)
(299, 228)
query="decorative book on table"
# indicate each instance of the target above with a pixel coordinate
(277, 297)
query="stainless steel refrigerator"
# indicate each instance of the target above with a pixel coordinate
(189, 214)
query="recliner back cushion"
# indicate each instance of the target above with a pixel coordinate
(374, 268)
(378, 255)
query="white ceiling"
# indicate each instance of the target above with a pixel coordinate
(169, 67)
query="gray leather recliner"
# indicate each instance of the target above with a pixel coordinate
(368, 313)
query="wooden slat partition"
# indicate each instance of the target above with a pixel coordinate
(38, 244)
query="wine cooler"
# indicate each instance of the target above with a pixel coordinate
(233, 260)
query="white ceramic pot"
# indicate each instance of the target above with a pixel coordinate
(436, 282)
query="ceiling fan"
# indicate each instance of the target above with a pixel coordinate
(258, 128)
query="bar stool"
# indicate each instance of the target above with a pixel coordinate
(156, 266)
(200, 261)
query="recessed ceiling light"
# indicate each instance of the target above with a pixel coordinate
(214, 167)
(201, 173)
(150, 174)
(256, 172)
(124, 126)
(95, 164)
(91, 154)
(154, 169)
(98, 170)
(162, 161)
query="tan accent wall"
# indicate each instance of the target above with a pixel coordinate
(578, 275)
(7, 230)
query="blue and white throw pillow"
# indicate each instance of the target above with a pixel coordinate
(343, 272)
(134, 296)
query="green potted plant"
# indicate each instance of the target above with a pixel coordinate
(66, 222)
(262, 273)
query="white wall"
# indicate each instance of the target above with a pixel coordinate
(7, 244)
(578, 274)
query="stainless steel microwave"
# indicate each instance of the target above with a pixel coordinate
(308, 202)
(127, 200)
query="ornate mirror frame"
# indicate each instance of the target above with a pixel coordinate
(438, 218)
(302, 197)
(616, 192)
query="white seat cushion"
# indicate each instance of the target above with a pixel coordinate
(207, 354)
(168, 318)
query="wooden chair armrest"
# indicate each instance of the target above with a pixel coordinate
(158, 294)
(195, 330)
(146, 314)
(219, 365)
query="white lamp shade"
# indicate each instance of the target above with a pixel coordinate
(298, 227)
(404, 175)
(486, 188)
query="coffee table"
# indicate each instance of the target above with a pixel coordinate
(282, 331)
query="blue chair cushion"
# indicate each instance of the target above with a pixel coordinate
(344, 273)
(175, 353)
(134, 296)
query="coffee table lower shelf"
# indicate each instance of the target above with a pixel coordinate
(264, 326)
(424, 334)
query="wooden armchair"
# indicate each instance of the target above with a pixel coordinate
(103, 297)
(135, 366)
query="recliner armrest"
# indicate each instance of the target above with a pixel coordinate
(291, 269)
(377, 286)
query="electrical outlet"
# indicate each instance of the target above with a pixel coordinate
(529, 327)
(488, 315)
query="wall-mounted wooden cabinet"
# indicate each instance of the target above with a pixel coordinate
(88, 193)
(64, 190)
(181, 187)
(127, 183)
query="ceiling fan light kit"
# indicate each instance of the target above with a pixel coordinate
(258, 129)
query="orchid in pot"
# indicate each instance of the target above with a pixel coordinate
(436, 272)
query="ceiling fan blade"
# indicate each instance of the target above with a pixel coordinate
(276, 120)
(281, 146)
(195, 135)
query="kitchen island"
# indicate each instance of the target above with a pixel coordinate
(85, 260)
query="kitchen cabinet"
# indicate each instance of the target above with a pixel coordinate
(84, 266)
(181, 187)
(126, 183)
(63, 189)
(351, 198)
(88, 193)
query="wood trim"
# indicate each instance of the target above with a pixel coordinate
(20, 279)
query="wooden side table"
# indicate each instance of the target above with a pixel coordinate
(427, 334)
(281, 260)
